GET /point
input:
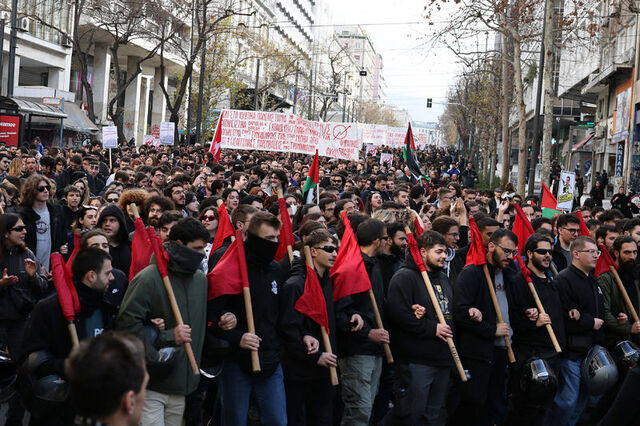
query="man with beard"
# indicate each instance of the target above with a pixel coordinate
(47, 329)
(175, 191)
(392, 256)
(265, 282)
(530, 336)
(618, 322)
(480, 337)
(306, 374)
(155, 206)
(422, 358)
(487, 227)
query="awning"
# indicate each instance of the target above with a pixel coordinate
(579, 146)
(28, 106)
(77, 120)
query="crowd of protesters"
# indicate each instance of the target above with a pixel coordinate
(132, 366)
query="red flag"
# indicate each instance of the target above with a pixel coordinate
(526, 273)
(286, 231)
(65, 289)
(410, 137)
(521, 227)
(548, 200)
(216, 142)
(77, 237)
(314, 171)
(349, 275)
(415, 252)
(416, 224)
(312, 303)
(584, 230)
(604, 261)
(477, 254)
(141, 249)
(161, 255)
(225, 228)
(230, 273)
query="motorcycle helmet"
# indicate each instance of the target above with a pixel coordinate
(599, 371)
(538, 382)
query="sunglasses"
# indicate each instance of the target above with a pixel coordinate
(44, 188)
(542, 252)
(209, 218)
(19, 228)
(112, 200)
(328, 249)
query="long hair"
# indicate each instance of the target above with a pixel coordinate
(7, 221)
(30, 188)
(16, 167)
(86, 193)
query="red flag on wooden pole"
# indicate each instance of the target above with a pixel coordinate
(141, 249)
(477, 255)
(584, 230)
(349, 275)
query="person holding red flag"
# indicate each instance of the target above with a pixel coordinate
(265, 279)
(240, 219)
(423, 360)
(481, 338)
(304, 361)
(618, 320)
(147, 298)
(530, 337)
(47, 328)
(583, 309)
(359, 337)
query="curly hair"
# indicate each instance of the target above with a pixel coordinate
(30, 188)
(164, 202)
(137, 196)
(16, 167)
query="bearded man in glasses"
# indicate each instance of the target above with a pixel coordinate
(44, 220)
(530, 337)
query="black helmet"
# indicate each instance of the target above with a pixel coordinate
(7, 377)
(160, 362)
(626, 354)
(40, 394)
(599, 371)
(538, 382)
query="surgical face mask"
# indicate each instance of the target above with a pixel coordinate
(292, 209)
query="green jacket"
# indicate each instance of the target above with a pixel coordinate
(146, 298)
(613, 305)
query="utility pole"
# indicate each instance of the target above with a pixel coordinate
(203, 67)
(535, 148)
(2, 23)
(295, 90)
(12, 47)
(255, 91)
(193, 9)
(344, 99)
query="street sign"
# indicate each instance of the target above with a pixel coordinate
(54, 102)
(363, 73)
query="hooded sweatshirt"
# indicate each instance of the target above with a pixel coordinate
(146, 298)
(120, 254)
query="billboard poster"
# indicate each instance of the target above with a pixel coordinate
(10, 129)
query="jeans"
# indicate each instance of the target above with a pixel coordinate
(420, 393)
(269, 394)
(309, 402)
(161, 409)
(360, 375)
(571, 397)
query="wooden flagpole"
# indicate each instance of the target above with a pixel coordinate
(496, 306)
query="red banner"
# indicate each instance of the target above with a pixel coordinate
(10, 129)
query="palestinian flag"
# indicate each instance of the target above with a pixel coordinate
(410, 156)
(312, 180)
(549, 203)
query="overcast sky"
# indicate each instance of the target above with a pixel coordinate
(412, 72)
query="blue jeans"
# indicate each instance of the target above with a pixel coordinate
(269, 393)
(571, 397)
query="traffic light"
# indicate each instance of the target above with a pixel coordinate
(429, 102)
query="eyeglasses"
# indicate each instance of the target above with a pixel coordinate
(592, 252)
(543, 252)
(328, 249)
(209, 218)
(572, 230)
(112, 200)
(509, 252)
(44, 188)
(19, 228)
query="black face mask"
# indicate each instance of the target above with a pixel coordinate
(260, 251)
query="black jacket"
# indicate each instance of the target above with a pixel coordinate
(414, 340)
(476, 339)
(265, 283)
(56, 217)
(358, 343)
(558, 258)
(457, 264)
(581, 292)
(120, 254)
(297, 365)
(389, 265)
(17, 301)
(526, 335)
